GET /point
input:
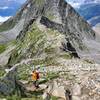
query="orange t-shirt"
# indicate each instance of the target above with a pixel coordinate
(35, 76)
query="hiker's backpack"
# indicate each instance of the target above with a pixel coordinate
(38, 75)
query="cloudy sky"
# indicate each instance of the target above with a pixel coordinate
(8, 8)
(77, 3)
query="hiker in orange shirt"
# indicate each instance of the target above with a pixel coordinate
(35, 77)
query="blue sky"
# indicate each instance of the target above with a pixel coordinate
(21, 1)
(8, 8)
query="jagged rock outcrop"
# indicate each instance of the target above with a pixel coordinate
(8, 82)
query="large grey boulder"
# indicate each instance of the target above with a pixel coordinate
(58, 91)
(8, 82)
(75, 98)
(76, 91)
(46, 96)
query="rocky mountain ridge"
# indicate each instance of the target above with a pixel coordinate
(60, 16)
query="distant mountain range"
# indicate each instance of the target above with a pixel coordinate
(88, 9)
(90, 12)
(77, 3)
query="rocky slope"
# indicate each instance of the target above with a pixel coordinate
(97, 28)
(73, 80)
(51, 33)
(12, 27)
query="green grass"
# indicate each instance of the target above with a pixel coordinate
(2, 48)
(70, 77)
(40, 2)
(33, 43)
(52, 75)
(88, 61)
(2, 72)
(54, 98)
(40, 98)
(49, 50)
(53, 32)
(66, 56)
(12, 42)
(13, 97)
(23, 72)
(47, 61)
(24, 76)
(7, 25)
(50, 16)
(49, 76)
(33, 98)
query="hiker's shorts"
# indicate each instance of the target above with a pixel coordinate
(35, 83)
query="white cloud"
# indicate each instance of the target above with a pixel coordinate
(78, 3)
(75, 5)
(2, 19)
(12, 0)
(3, 8)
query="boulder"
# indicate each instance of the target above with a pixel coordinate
(42, 86)
(23, 81)
(8, 82)
(76, 90)
(58, 91)
(46, 96)
(75, 98)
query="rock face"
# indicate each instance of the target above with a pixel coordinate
(96, 28)
(76, 90)
(8, 82)
(57, 91)
(58, 15)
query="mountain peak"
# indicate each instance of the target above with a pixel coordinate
(56, 15)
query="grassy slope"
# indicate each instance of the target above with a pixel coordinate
(42, 46)
(2, 48)
(7, 25)
(35, 43)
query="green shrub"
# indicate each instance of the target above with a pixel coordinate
(13, 97)
(66, 56)
(40, 2)
(54, 98)
(2, 72)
